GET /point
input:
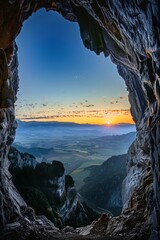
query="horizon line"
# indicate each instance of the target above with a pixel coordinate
(120, 123)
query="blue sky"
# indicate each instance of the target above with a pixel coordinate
(58, 76)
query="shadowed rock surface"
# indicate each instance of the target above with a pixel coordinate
(46, 188)
(103, 186)
(129, 32)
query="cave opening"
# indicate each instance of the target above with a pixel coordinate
(128, 31)
(72, 108)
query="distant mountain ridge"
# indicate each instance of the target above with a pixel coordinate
(36, 151)
(56, 123)
(123, 137)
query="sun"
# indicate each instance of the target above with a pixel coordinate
(108, 123)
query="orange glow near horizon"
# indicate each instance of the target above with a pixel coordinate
(111, 120)
(73, 86)
(120, 119)
(82, 113)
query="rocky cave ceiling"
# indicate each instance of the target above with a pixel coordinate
(128, 31)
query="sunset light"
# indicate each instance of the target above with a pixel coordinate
(79, 119)
(80, 92)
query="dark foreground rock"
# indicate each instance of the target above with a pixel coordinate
(31, 227)
(132, 224)
(129, 32)
(46, 188)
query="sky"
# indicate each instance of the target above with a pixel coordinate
(61, 80)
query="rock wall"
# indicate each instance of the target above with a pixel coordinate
(106, 191)
(129, 32)
(46, 188)
(10, 200)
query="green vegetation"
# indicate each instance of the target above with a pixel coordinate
(78, 155)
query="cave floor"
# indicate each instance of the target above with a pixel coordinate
(29, 226)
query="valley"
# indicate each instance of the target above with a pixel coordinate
(77, 146)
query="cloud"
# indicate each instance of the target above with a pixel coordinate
(101, 113)
(89, 105)
(114, 101)
(35, 118)
(121, 97)
(27, 106)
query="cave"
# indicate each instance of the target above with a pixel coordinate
(128, 31)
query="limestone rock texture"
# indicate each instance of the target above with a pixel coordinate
(129, 32)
